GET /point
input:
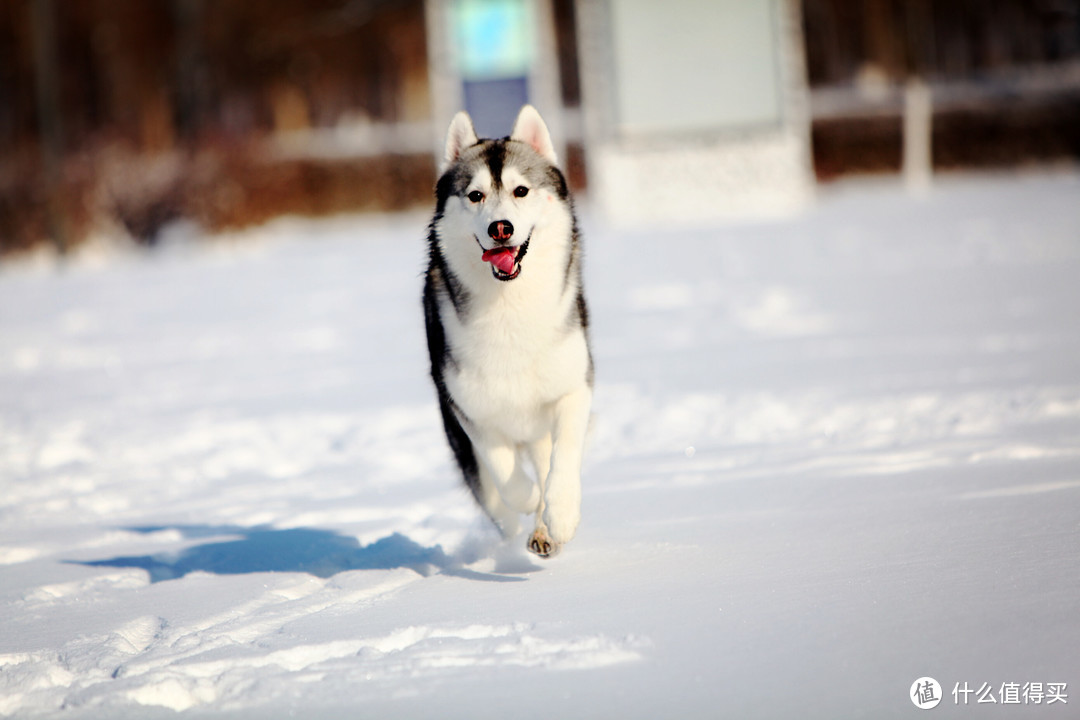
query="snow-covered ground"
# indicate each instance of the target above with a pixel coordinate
(831, 455)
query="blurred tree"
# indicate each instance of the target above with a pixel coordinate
(50, 140)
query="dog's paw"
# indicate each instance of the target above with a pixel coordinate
(540, 544)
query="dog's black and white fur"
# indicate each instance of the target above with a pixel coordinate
(508, 340)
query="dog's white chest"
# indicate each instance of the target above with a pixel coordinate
(511, 363)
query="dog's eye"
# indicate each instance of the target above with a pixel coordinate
(476, 196)
(521, 191)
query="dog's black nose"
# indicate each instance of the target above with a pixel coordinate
(500, 230)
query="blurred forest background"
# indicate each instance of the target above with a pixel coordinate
(120, 116)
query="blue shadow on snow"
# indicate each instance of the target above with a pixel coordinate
(321, 553)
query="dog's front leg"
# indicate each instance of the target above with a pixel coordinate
(502, 461)
(562, 490)
(540, 541)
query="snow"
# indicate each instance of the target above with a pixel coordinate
(831, 455)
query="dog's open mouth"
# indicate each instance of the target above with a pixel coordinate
(506, 261)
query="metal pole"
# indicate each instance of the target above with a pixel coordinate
(918, 135)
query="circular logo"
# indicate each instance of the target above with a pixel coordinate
(925, 693)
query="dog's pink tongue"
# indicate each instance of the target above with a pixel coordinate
(502, 258)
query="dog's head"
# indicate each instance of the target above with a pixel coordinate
(495, 194)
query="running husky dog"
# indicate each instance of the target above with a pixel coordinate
(507, 327)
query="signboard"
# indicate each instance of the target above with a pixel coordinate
(494, 45)
(708, 64)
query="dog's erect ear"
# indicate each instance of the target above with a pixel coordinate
(530, 129)
(460, 136)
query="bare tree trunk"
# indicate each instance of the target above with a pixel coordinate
(50, 126)
(189, 72)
